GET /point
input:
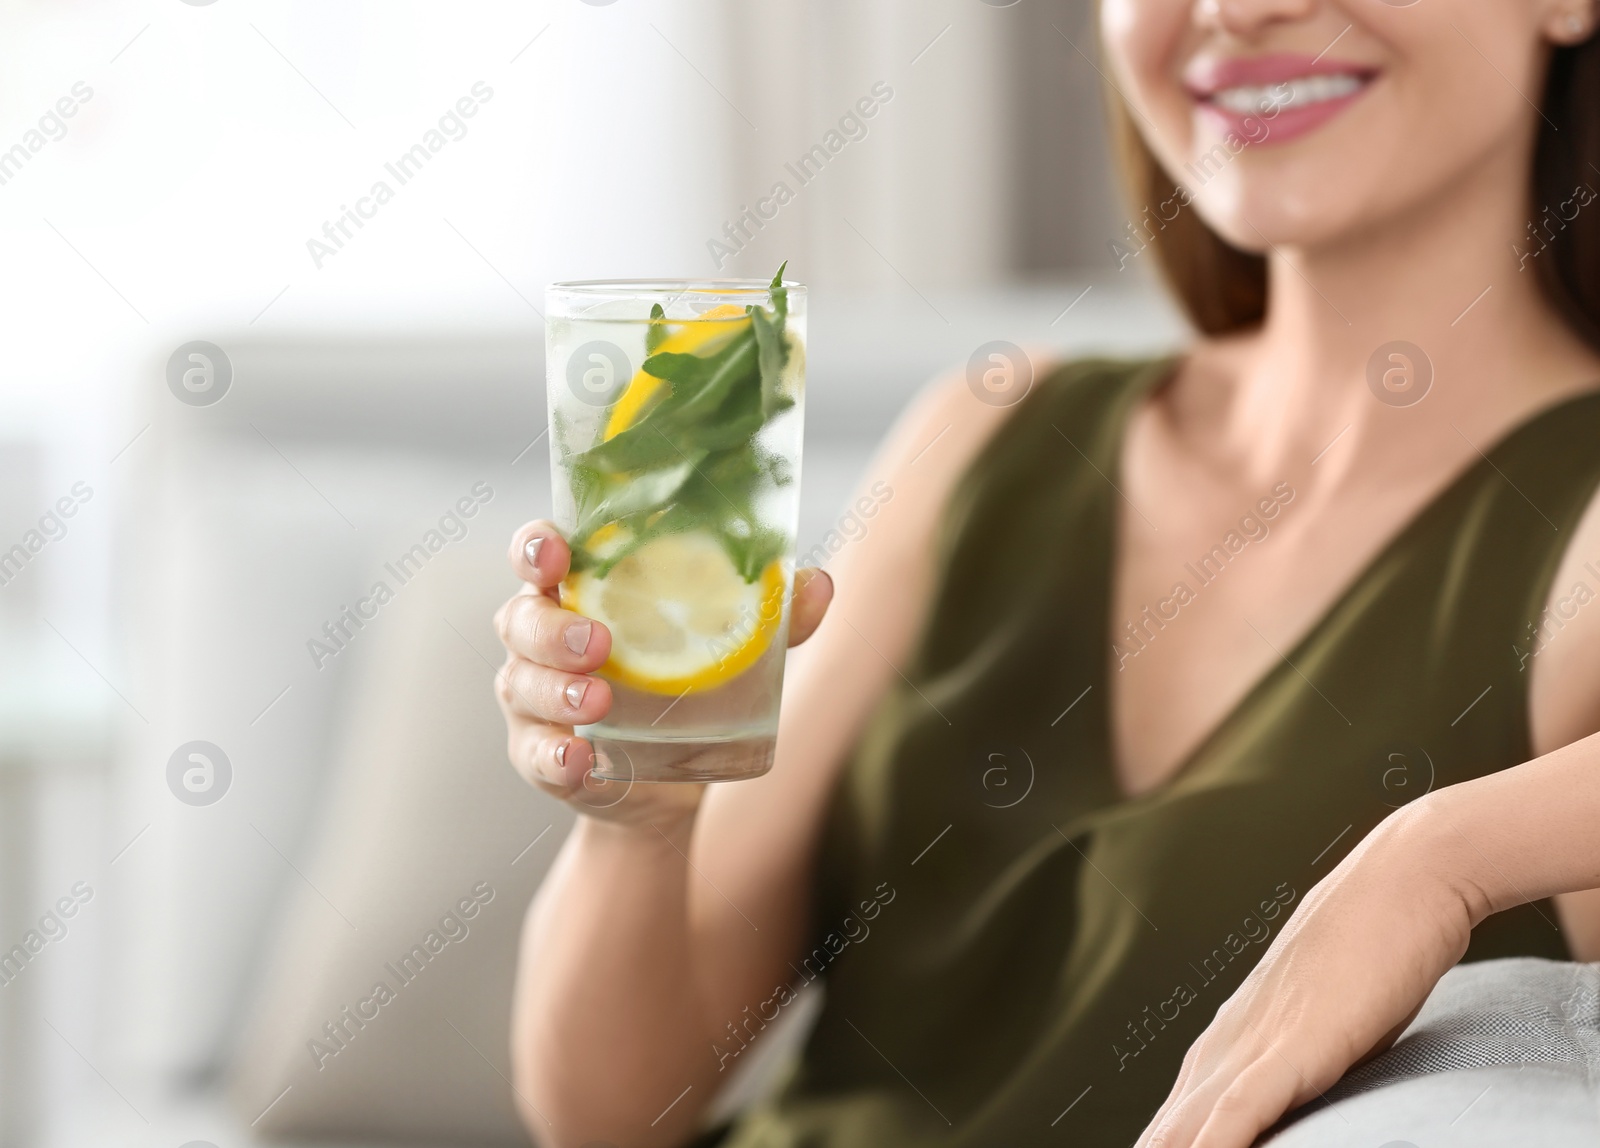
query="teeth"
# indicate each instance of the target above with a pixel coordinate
(1297, 93)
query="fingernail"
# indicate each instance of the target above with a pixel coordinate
(530, 549)
(575, 692)
(561, 752)
(577, 637)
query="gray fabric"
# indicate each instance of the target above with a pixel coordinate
(1510, 1012)
(1502, 1052)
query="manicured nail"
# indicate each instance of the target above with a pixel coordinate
(577, 637)
(575, 692)
(561, 752)
(530, 549)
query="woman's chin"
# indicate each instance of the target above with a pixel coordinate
(1258, 216)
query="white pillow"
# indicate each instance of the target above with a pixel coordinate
(385, 1006)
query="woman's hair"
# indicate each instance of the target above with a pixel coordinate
(1224, 289)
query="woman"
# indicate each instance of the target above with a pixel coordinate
(1124, 669)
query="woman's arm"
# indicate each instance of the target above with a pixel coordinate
(1563, 669)
(1367, 945)
(634, 960)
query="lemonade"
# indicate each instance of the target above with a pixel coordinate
(676, 411)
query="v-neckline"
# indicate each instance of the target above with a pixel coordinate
(1161, 373)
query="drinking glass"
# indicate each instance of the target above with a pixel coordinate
(676, 415)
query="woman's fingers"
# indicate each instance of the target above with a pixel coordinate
(553, 652)
(540, 556)
(1184, 1113)
(532, 626)
(544, 694)
(813, 590)
(554, 759)
(549, 755)
(1230, 1106)
(547, 686)
(1250, 1103)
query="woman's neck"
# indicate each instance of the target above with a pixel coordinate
(1444, 278)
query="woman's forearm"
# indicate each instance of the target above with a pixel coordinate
(608, 1028)
(1518, 835)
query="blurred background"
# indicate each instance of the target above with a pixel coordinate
(338, 221)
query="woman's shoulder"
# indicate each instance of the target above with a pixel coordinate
(1004, 385)
(1004, 411)
(961, 419)
(989, 425)
(991, 408)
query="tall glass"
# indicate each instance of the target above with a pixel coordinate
(676, 413)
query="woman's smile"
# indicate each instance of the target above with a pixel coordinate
(1294, 94)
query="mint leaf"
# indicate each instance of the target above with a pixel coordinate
(691, 460)
(641, 492)
(699, 386)
(780, 294)
(657, 334)
(772, 354)
(753, 554)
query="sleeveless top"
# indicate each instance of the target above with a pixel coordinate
(1013, 951)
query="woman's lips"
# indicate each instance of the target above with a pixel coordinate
(1274, 99)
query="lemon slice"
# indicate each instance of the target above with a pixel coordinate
(682, 618)
(694, 336)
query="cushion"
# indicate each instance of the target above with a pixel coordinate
(1503, 1052)
(385, 1007)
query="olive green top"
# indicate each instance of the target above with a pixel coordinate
(1014, 952)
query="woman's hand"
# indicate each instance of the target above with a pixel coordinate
(547, 684)
(1344, 978)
